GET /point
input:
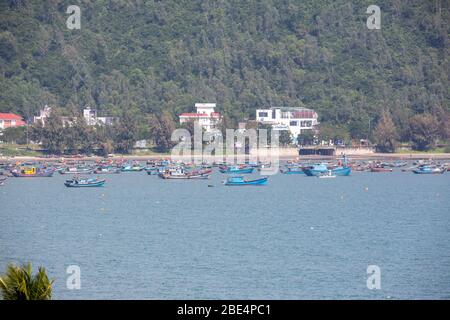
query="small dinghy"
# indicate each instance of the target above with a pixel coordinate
(80, 183)
(240, 181)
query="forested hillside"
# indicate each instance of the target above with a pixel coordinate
(150, 56)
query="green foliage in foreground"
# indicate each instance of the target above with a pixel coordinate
(18, 283)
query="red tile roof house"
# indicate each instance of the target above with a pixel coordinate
(8, 120)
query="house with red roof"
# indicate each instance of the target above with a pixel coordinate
(8, 120)
(205, 116)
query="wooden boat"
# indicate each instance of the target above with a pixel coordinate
(380, 169)
(107, 170)
(293, 170)
(240, 181)
(83, 183)
(322, 169)
(236, 169)
(25, 172)
(315, 169)
(429, 170)
(155, 170)
(130, 168)
(180, 173)
(75, 170)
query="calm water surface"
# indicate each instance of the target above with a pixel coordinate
(141, 237)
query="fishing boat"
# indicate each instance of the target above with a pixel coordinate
(327, 175)
(130, 168)
(84, 182)
(180, 173)
(155, 170)
(380, 169)
(236, 169)
(399, 164)
(315, 169)
(75, 170)
(107, 170)
(323, 168)
(24, 172)
(428, 170)
(293, 170)
(240, 181)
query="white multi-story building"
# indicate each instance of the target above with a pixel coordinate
(205, 116)
(90, 115)
(296, 120)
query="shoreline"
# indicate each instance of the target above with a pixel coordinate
(283, 154)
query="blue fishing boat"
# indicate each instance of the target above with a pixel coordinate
(129, 168)
(80, 183)
(293, 170)
(428, 170)
(240, 181)
(236, 169)
(322, 168)
(315, 169)
(339, 171)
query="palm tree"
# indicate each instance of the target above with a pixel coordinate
(18, 283)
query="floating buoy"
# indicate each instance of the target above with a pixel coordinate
(366, 189)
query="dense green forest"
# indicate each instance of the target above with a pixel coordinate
(163, 56)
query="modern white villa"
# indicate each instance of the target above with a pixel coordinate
(296, 120)
(205, 115)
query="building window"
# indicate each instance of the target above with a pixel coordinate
(263, 114)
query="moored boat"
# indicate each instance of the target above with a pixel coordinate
(75, 170)
(107, 170)
(322, 169)
(180, 173)
(293, 170)
(84, 182)
(236, 169)
(327, 175)
(25, 172)
(131, 168)
(428, 170)
(240, 181)
(380, 169)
